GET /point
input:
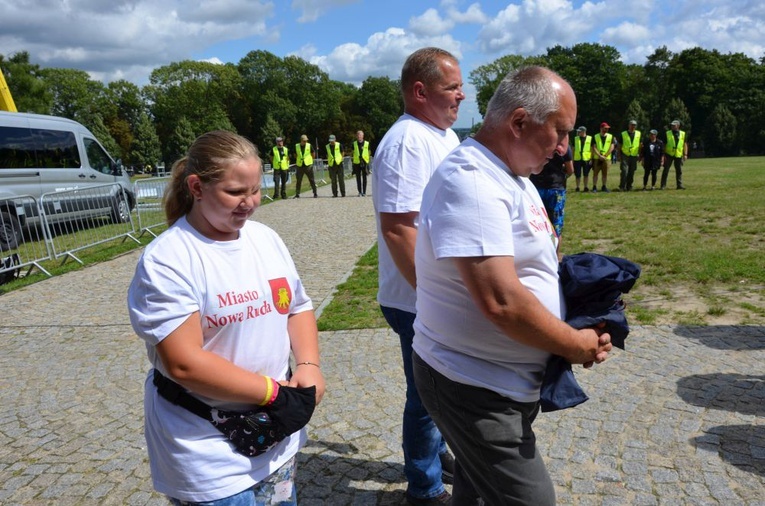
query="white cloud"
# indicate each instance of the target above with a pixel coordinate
(383, 55)
(430, 23)
(125, 40)
(311, 10)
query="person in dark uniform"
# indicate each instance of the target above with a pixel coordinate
(551, 185)
(652, 156)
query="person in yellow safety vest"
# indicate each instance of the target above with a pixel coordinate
(601, 156)
(582, 156)
(335, 164)
(676, 151)
(361, 162)
(280, 163)
(304, 162)
(628, 155)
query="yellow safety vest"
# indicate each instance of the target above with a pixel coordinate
(601, 145)
(630, 148)
(336, 158)
(303, 155)
(281, 161)
(583, 152)
(670, 148)
(364, 155)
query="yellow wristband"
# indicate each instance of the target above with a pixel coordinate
(269, 391)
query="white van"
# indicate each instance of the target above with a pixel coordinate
(42, 155)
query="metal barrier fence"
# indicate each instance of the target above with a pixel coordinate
(23, 247)
(148, 208)
(74, 220)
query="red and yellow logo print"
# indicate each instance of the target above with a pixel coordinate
(281, 294)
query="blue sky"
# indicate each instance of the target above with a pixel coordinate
(353, 39)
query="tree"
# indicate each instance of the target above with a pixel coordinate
(75, 95)
(25, 83)
(596, 73)
(676, 110)
(379, 103)
(720, 138)
(178, 144)
(487, 77)
(200, 93)
(636, 112)
(146, 148)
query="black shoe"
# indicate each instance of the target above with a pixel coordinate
(604, 189)
(316, 196)
(297, 196)
(444, 498)
(284, 195)
(681, 187)
(447, 468)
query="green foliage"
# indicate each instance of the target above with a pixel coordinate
(183, 136)
(720, 133)
(29, 91)
(146, 149)
(677, 110)
(634, 111)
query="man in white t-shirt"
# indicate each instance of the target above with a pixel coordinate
(489, 305)
(431, 84)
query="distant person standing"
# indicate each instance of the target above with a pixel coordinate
(551, 185)
(431, 85)
(280, 163)
(652, 155)
(361, 162)
(335, 164)
(601, 156)
(304, 163)
(628, 154)
(582, 157)
(676, 150)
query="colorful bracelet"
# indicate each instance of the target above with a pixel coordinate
(269, 390)
(307, 363)
(276, 392)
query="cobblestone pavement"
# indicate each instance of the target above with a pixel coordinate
(677, 419)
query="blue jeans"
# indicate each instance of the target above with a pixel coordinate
(278, 489)
(422, 442)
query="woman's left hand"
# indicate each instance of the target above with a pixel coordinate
(307, 375)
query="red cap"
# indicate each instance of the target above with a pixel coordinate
(605, 125)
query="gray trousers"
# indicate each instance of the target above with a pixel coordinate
(492, 440)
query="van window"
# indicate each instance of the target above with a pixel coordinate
(97, 157)
(37, 148)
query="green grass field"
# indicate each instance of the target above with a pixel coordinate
(701, 250)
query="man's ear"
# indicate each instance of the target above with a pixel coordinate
(518, 121)
(419, 90)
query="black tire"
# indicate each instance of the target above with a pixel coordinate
(120, 211)
(10, 231)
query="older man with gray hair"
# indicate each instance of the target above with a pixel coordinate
(489, 305)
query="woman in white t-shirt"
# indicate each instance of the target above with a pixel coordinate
(220, 305)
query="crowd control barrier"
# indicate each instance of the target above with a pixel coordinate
(148, 208)
(22, 242)
(74, 220)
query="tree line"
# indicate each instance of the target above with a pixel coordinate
(719, 98)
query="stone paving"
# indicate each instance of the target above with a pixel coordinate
(676, 419)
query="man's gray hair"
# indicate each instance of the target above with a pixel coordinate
(529, 87)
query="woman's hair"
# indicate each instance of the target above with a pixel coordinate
(424, 65)
(209, 157)
(529, 87)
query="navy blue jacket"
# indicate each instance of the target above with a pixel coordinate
(592, 287)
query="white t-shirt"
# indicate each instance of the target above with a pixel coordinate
(244, 291)
(473, 207)
(404, 161)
